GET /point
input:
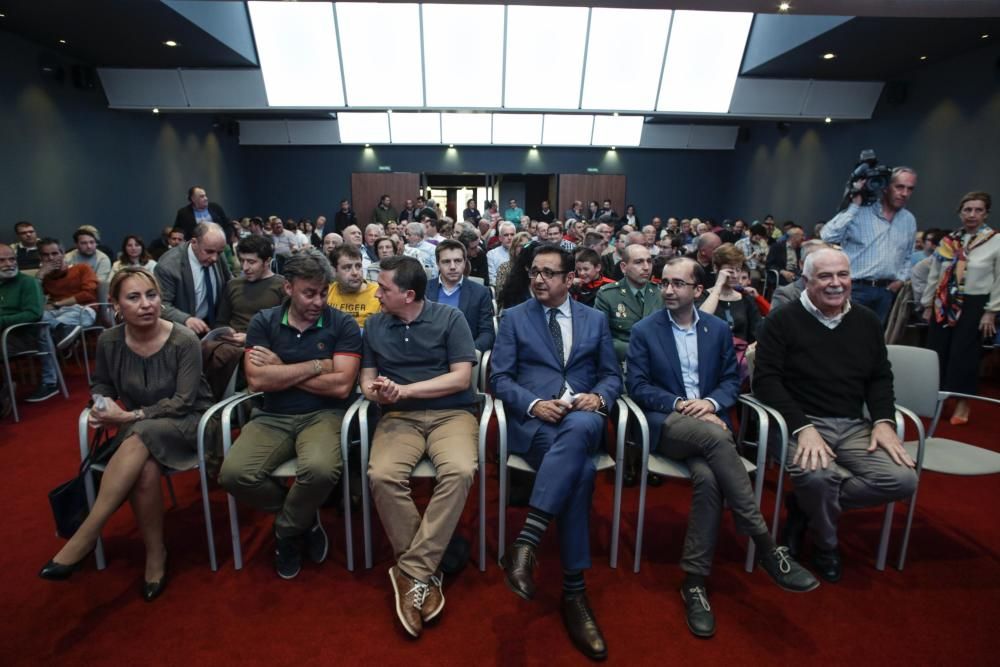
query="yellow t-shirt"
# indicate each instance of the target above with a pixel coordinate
(358, 305)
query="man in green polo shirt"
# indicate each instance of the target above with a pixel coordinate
(21, 301)
(304, 356)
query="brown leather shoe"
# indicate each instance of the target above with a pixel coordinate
(582, 626)
(410, 597)
(519, 569)
(434, 602)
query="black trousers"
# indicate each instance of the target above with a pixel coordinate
(960, 347)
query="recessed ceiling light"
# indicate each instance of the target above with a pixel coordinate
(388, 110)
(615, 114)
(170, 43)
(827, 120)
(62, 41)
(923, 57)
(986, 36)
(614, 148)
(155, 110)
(829, 56)
(2, 15)
(451, 145)
(368, 145)
(784, 6)
(534, 147)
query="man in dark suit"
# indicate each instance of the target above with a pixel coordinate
(785, 256)
(555, 370)
(199, 209)
(453, 289)
(682, 373)
(192, 278)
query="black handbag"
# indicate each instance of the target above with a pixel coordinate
(69, 499)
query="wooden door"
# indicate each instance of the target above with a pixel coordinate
(367, 189)
(591, 187)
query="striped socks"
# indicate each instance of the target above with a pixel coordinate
(534, 527)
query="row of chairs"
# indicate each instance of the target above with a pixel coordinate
(915, 369)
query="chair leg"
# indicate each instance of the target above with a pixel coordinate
(758, 485)
(345, 486)
(55, 362)
(209, 531)
(641, 520)
(502, 518)
(366, 499)
(86, 358)
(906, 531)
(234, 531)
(619, 483)
(10, 383)
(883, 544)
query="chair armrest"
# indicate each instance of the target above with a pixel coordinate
(207, 416)
(763, 419)
(227, 417)
(901, 415)
(954, 394)
(83, 429)
(640, 418)
(501, 412)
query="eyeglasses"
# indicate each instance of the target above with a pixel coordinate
(677, 283)
(547, 274)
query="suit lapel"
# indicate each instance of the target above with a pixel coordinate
(537, 318)
(464, 296)
(669, 346)
(187, 279)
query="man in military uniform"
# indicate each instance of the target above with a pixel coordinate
(631, 298)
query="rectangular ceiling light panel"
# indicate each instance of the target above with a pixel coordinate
(567, 130)
(703, 60)
(363, 128)
(415, 128)
(521, 129)
(380, 44)
(463, 43)
(466, 128)
(297, 46)
(617, 130)
(625, 58)
(545, 56)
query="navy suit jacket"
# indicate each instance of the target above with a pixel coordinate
(653, 374)
(525, 365)
(476, 304)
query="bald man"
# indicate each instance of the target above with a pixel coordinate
(192, 278)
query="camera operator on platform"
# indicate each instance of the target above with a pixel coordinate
(876, 232)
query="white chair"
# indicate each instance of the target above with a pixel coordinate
(44, 347)
(105, 319)
(287, 470)
(667, 467)
(916, 381)
(602, 461)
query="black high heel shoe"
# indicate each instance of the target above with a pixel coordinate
(153, 589)
(54, 571)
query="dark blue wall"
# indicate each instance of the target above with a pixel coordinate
(948, 129)
(67, 160)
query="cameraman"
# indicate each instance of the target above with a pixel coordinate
(878, 240)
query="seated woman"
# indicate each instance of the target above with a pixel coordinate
(133, 254)
(727, 300)
(154, 368)
(503, 271)
(384, 247)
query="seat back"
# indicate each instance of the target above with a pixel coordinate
(915, 378)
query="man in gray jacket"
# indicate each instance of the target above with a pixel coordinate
(192, 279)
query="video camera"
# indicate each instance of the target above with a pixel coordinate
(875, 175)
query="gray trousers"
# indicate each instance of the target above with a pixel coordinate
(709, 451)
(855, 479)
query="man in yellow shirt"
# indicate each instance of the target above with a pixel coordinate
(351, 293)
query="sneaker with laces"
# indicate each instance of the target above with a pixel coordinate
(434, 602)
(697, 611)
(786, 572)
(287, 558)
(410, 596)
(317, 543)
(43, 393)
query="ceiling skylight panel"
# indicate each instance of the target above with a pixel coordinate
(463, 55)
(703, 61)
(617, 130)
(363, 128)
(380, 44)
(567, 130)
(297, 47)
(466, 128)
(545, 57)
(415, 128)
(523, 129)
(624, 58)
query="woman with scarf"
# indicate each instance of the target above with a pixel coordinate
(962, 298)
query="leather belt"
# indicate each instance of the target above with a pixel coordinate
(872, 282)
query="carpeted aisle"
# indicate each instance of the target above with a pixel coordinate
(942, 609)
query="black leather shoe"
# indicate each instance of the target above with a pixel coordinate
(827, 564)
(152, 589)
(582, 626)
(697, 611)
(54, 571)
(786, 572)
(795, 527)
(519, 569)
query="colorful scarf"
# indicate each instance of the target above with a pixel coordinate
(950, 292)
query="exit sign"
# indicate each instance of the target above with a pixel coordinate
(592, 170)
(384, 167)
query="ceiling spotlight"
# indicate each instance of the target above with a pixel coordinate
(368, 145)
(613, 148)
(784, 6)
(615, 114)
(923, 57)
(451, 145)
(534, 147)
(986, 36)
(171, 43)
(62, 41)
(2, 15)
(156, 110)
(829, 56)
(827, 120)
(388, 110)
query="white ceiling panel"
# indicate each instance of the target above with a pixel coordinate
(297, 46)
(617, 130)
(524, 129)
(703, 60)
(415, 128)
(567, 130)
(544, 55)
(380, 44)
(470, 76)
(466, 128)
(625, 74)
(363, 128)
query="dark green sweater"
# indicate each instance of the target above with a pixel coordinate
(21, 300)
(803, 368)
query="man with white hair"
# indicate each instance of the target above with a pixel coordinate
(500, 254)
(419, 248)
(820, 362)
(331, 241)
(192, 278)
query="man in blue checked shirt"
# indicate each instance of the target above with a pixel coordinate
(878, 240)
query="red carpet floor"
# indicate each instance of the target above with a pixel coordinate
(942, 609)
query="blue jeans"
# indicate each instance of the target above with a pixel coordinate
(878, 299)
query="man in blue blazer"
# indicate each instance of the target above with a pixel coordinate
(555, 369)
(453, 289)
(682, 373)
